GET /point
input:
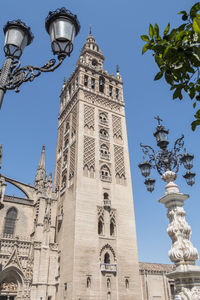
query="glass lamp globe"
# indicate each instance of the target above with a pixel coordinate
(17, 37)
(145, 168)
(150, 184)
(62, 27)
(161, 136)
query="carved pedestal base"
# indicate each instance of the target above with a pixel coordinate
(187, 281)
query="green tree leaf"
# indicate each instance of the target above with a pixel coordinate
(196, 25)
(156, 31)
(158, 76)
(195, 8)
(151, 32)
(167, 29)
(145, 38)
(145, 48)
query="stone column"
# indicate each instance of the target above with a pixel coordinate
(182, 253)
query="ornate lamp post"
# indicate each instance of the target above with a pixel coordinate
(62, 27)
(182, 253)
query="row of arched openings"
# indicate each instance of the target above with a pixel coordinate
(101, 227)
(108, 283)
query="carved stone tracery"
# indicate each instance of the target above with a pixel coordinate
(119, 161)
(89, 116)
(117, 126)
(89, 153)
(72, 160)
(102, 102)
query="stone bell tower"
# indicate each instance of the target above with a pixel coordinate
(95, 218)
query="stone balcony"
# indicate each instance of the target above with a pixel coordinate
(108, 268)
(106, 178)
(103, 122)
(107, 203)
(104, 137)
(104, 156)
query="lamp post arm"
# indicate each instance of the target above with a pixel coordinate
(12, 76)
(29, 73)
(179, 143)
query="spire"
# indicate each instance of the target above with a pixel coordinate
(90, 53)
(42, 159)
(40, 177)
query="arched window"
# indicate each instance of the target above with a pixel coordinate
(10, 221)
(107, 258)
(101, 84)
(105, 173)
(100, 227)
(103, 134)
(108, 283)
(104, 152)
(103, 118)
(127, 283)
(105, 196)
(88, 282)
(109, 296)
(112, 228)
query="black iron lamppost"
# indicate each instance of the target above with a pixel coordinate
(165, 159)
(62, 27)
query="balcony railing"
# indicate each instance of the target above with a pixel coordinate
(106, 178)
(105, 156)
(108, 268)
(104, 137)
(107, 203)
(104, 122)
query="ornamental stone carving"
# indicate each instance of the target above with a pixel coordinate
(186, 294)
(8, 286)
(182, 250)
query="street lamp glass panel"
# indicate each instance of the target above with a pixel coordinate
(17, 37)
(162, 138)
(187, 160)
(189, 178)
(62, 27)
(15, 42)
(150, 184)
(62, 33)
(145, 168)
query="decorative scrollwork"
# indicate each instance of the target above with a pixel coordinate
(19, 74)
(165, 159)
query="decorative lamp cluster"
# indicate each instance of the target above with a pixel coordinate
(165, 159)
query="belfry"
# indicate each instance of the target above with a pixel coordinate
(96, 232)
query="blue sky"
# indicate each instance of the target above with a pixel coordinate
(29, 119)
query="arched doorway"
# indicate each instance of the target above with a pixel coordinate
(10, 283)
